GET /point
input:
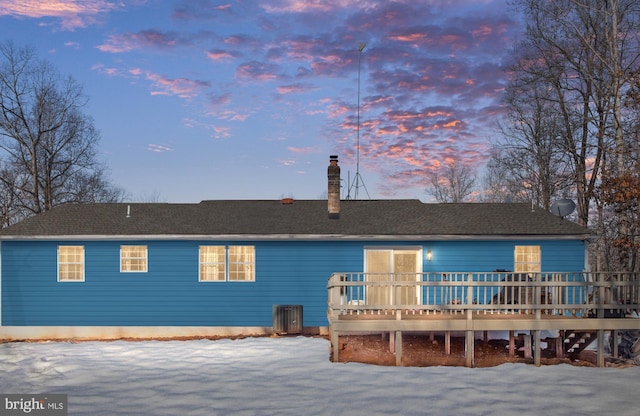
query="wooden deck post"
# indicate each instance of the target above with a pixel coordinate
(469, 349)
(447, 342)
(398, 348)
(393, 335)
(512, 343)
(469, 346)
(601, 301)
(527, 345)
(600, 352)
(335, 344)
(614, 335)
(536, 348)
(559, 347)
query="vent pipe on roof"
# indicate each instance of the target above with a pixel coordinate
(333, 175)
(128, 211)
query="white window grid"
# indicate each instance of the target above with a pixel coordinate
(212, 264)
(227, 264)
(70, 263)
(133, 259)
(527, 259)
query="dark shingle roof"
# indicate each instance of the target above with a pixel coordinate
(374, 218)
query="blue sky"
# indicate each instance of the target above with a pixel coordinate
(239, 99)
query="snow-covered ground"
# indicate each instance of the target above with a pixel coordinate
(293, 376)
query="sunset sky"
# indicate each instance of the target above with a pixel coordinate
(246, 99)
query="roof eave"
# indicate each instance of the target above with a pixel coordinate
(313, 237)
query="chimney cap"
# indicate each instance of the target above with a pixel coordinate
(333, 157)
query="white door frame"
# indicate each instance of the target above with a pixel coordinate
(419, 265)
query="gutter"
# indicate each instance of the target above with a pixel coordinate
(300, 237)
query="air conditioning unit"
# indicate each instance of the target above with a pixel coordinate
(287, 319)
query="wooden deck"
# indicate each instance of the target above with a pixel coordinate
(569, 303)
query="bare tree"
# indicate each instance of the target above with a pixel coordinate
(583, 51)
(454, 184)
(10, 210)
(529, 154)
(500, 184)
(46, 138)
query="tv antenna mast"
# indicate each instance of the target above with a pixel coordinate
(358, 182)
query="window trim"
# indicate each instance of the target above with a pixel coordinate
(82, 262)
(528, 262)
(228, 264)
(146, 258)
(251, 264)
(201, 263)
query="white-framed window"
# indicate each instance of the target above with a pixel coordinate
(133, 259)
(527, 259)
(242, 262)
(213, 267)
(227, 264)
(70, 263)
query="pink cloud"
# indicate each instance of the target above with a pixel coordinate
(305, 150)
(219, 100)
(437, 38)
(259, 71)
(182, 87)
(379, 101)
(73, 14)
(239, 117)
(217, 131)
(110, 71)
(220, 132)
(415, 38)
(241, 41)
(338, 109)
(218, 107)
(294, 88)
(220, 55)
(297, 6)
(146, 39)
(316, 6)
(482, 31)
(229, 115)
(196, 10)
(158, 148)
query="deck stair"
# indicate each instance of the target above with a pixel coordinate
(577, 341)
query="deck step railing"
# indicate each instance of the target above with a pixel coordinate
(579, 294)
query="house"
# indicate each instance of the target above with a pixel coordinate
(225, 267)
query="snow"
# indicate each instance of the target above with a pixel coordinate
(293, 376)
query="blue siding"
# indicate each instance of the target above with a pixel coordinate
(169, 294)
(486, 256)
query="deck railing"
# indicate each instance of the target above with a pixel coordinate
(578, 294)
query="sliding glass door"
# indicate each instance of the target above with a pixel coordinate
(388, 265)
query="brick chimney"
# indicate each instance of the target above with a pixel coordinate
(333, 174)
